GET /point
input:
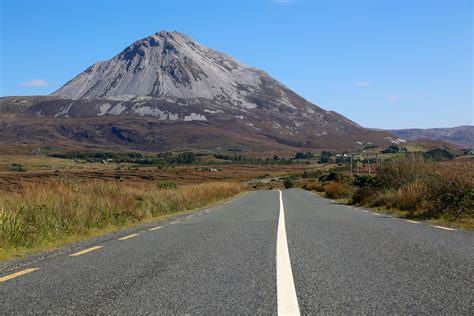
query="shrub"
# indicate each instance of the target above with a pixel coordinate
(331, 176)
(312, 174)
(392, 149)
(336, 190)
(396, 172)
(167, 185)
(288, 183)
(363, 195)
(311, 185)
(387, 199)
(442, 189)
(439, 154)
(410, 196)
(366, 181)
(17, 168)
(301, 155)
(325, 157)
(451, 192)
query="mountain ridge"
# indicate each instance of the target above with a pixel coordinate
(460, 135)
(169, 77)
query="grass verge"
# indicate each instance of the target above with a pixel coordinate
(57, 212)
(440, 192)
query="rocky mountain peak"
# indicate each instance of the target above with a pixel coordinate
(167, 91)
(168, 76)
(166, 64)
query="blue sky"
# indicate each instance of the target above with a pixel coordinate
(386, 64)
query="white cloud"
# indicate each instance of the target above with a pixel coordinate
(35, 83)
(392, 98)
(362, 84)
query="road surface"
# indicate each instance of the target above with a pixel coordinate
(331, 258)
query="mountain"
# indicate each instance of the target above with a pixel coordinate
(168, 92)
(461, 135)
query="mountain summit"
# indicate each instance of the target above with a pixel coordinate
(167, 64)
(170, 65)
(170, 78)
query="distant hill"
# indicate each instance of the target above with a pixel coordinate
(462, 135)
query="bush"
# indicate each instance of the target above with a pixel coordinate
(439, 154)
(17, 168)
(451, 193)
(312, 174)
(387, 199)
(336, 190)
(396, 172)
(331, 176)
(312, 185)
(410, 197)
(363, 195)
(167, 185)
(300, 155)
(392, 149)
(442, 189)
(288, 183)
(325, 157)
(366, 181)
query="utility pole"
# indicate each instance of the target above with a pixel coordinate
(377, 160)
(357, 165)
(368, 160)
(352, 176)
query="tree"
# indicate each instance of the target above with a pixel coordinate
(439, 154)
(392, 149)
(325, 157)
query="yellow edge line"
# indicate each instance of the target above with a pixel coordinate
(14, 275)
(85, 251)
(129, 236)
(155, 228)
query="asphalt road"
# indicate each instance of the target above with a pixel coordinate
(338, 260)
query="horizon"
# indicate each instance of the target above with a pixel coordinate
(378, 80)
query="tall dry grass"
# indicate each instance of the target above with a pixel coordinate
(433, 189)
(395, 172)
(337, 190)
(411, 196)
(414, 185)
(451, 191)
(62, 208)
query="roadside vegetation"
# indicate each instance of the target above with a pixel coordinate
(57, 211)
(181, 158)
(412, 186)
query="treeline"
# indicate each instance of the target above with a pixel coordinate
(239, 159)
(436, 153)
(169, 158)
(97, 156)
(131, 157)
